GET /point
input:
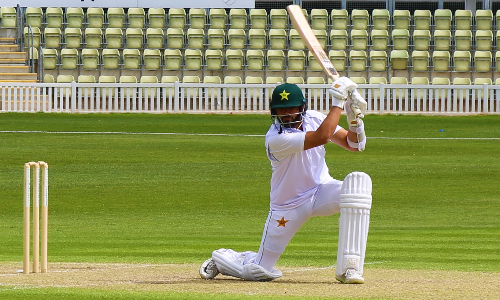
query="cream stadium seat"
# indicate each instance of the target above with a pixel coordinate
(359, 39)
(95, 17)
(9, 17)
(441, 60)
(401, 19)
(258, 18)
(296, 60)
(93, 38)
(274, 80)
(34, 16)
(116, 17)
(193, 59)
(237, 18)
(357, 60)
(234, 59)
(400, 39)
(154, 38)
(278, 18)
(156, 18)
(421, 39)
(50, 58)
(338, 59)
(37, 37)
(462, 61)
(378, 60)
(380, 19)
(148, 92)
(463, 40)
(422, 19)
(442, 40)
(277, 39)
(134, 38)
(295, 80)
(52, 37)
(54, 17)
(339, 18)
(213, 59)
(69, 59)
(114, 38)
(131, 59)
(275, 60)
(216, 38)
(359, 19)
(442, 19)
(399, 59)
(236, 38)
(176, 18)
(255, 59)
(338, 39)
(319, 18)
(136, 17)
(152, 59)
(484, 19)
(195, 38)
(74, 17)
(90, 59)
(110, 59)
(257, 39)
(175, 38)
(482, 61)
(463, 19)
(420, 60)
(73, 37)
(197, 18)
(379, 39)
(218, 18)
(173, 59)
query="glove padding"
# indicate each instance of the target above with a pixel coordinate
(340, 90)
(356, 108)
(359, 129)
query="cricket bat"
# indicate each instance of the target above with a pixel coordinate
(307, 35)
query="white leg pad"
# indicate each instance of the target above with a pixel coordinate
(255, 272)
(355, 205)
(231, 263)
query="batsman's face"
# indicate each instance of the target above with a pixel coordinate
(289, 114)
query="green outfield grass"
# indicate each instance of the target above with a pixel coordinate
(145, 198)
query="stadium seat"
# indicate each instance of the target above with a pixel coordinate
(274, 80)
(128, 92)
(90, 59)
(195, 38)
(9, 17)
(277, 39)
(322, 37)
(463, 40)
(237, 18)
(254, 80)
(441, 60)
(378, 60)
(278, 18)
(114, 37)
(419, 80)
(400, 39)
(131, 59)
(133, 38)
(442, 40)
(463, 19)
(136, 16)
(339, 18)
(255, 59)
(93, 38)
(422, 19)
(295, 80)
(236, 38)
(176, 18)
(462, 60)
(52, 37)
(358, 80)
(484, 40)
(419, 93)
(213, 59)
(218, 18)
(420, 60)
(442, 19)
(172, 58)
(74, 17)
(169, 79)
(358, 60)
(50, 57)
(211, 90)
(359, 19)
(233, 92)
(258, 18)
(34, 16)
(128, 79)
(440, 81)
(193, 59)
(315, 80)
(54, 17)
(86, 79)
(110, 59)
(95, 17)
(481, 81)
(35, 42)
(234, 59)
(275, 59)
(175, 38)
(399, 92)
(296, 42)
(65, 92)
(380, 19)
(376, 80)
(338, 59)
(359, 39)
(48, 78)
(197, 18)
(152, 59)
(379, 39)
(296, 60)
(421, 39)
(69, 59)
(313, 63)
(107, 79)
(151, 91)
(401, 19)
(257, 39)
(156, 18)
(482, 61)
(484, 19)
(154, 38)
(252, 92)
(399, 59)
(338, 39)
(212, 79)
(497, 61)
(461, 81)
(73, 37)
(216, 38)
(319, 18)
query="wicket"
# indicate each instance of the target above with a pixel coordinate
(36, 216)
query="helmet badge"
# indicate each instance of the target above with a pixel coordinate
(284, 95)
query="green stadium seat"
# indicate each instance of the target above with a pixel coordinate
(37, 37)
(175, 38)
(34, 16)
(213, 59)
(338, 59)
(238, 18)
(69, 59)
(463, 40)
(176, 18)
(400, 39)
(154, 38)
(378, 60)
(236, 38)
(110, 59)
(442, 40)
(218, 18)
(74, 17)
(462, 61)
(359, 39)
(421, 39)
(136, 17)
(195, 38)
(422, 19)
(152, 59)
(319, 18)
(131, 59)
(463, 19)
(173, 59)
(441, 60)
(277, 39)
(380, 19)
(420, 60)
(484, 40)
(484, 19)
(9, 17)
(338, 39)
(258, 18)
(50, 57)
(73, 37)
(358, 60)
(54, 17)
(156, 18)
(339, 18)
(52, 37)
(296, 60)
(90, 59)
(401, 19)
(234, 59)
(275, 60)
(379, 39)
(278, 18)
(95, 17)
(93, 38)
(359, 19)
(114, 37)
(197, 18)
(134, 38)
(482, 61)
(193, 59)
(257, 39)
(255, 59)
(442, 19)
(399, 59)
(216, 38)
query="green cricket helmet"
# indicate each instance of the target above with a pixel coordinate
(288, 95)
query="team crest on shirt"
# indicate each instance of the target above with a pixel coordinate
(282, 222)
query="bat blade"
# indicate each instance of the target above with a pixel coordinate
(302, 26)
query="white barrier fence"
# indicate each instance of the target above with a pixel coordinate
(237, 98)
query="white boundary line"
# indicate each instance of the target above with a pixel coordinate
(223, 134)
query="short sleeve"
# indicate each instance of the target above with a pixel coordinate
(283, 145)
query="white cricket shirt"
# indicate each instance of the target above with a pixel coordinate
(296, 173)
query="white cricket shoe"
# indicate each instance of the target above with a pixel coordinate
(208, 269)
(351, 276)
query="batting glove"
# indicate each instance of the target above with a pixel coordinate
(340, 91)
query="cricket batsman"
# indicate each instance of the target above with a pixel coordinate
(301, 186)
